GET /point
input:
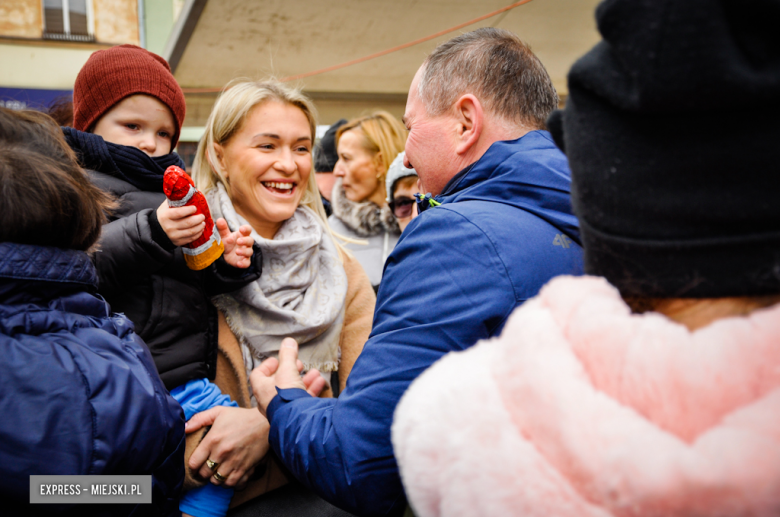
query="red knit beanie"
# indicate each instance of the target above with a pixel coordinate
(110, 75)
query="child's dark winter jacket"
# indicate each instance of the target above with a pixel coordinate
(142, 273)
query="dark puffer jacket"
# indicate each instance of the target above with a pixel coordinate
(143, 275)
(79, 393)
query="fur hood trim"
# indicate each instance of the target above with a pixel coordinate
(366, 218)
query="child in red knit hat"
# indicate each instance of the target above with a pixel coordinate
(127, 115)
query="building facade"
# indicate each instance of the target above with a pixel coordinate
(44, 43)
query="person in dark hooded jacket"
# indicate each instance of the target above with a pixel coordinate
(499, 227)
(79, 393)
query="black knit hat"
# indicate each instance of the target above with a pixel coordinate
(325, 155)
(671, 129)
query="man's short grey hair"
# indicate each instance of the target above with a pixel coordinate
(495, 66)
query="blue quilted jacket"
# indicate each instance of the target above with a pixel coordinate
(79, 393)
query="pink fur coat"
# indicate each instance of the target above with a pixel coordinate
(582, 409)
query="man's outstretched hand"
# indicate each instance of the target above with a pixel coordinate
(284, 374)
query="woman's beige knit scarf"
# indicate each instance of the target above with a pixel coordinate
(300, 293)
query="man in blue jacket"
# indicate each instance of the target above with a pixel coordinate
(499, 227)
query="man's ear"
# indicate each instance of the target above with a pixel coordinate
(469, 117)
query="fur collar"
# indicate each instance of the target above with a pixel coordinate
(365, 218)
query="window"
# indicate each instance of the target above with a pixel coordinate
(68, 20)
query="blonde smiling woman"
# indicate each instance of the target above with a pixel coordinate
(255, 166)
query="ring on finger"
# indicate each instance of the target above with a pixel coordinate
(212, 465)
(219, 477)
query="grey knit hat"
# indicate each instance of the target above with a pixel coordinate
(397, 171)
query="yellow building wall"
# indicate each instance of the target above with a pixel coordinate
(21, 18)
(116, 21)
(42, 66)
(28, 61)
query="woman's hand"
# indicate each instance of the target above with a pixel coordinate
(238, 245)
(237, 441)
(181, 224)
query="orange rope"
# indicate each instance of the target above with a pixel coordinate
(379, 54)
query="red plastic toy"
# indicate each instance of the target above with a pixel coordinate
(180, 191)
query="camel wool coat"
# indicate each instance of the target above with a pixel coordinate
(232, 379)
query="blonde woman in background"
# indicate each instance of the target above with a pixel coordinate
(254, 164)
(366, 148)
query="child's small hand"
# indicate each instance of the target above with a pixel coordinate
(181, 224)
(238, 245)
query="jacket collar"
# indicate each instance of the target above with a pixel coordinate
(47, 264)
(424, 201)
(452, 185)
(487, 160)
(489, 166)
(529, 173)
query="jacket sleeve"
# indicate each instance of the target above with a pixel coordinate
(127, 252)
(444, 288)
(223, 278)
